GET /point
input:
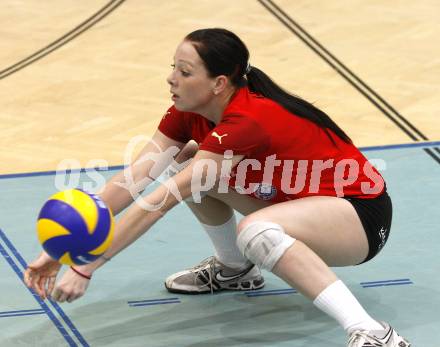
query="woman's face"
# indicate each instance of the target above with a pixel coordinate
(190, 85)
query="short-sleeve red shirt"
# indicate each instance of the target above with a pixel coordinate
(285, 156)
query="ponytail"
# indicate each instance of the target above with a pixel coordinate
(260, 83)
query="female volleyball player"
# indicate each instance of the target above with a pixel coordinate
(311, 200)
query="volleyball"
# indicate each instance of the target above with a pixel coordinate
(75, 227)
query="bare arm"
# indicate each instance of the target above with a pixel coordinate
(135, 223)
(118, 193)
(141, 217)
(155, 157)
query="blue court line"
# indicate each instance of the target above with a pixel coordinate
(386, 281)
(61, 172)
(371, 284)
(120, 167)
(271, 292)
(386, 284)
(399, 146)
(21, 311)
(156, 303)
(22, 314)
(45, 307)
(152, 300)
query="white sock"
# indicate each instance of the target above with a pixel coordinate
(224, 239)
(338, 302)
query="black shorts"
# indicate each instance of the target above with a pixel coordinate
(375, 215)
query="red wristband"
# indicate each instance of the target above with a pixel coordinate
(81, 274)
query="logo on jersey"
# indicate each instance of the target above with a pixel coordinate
(219, 137)
(265, 191)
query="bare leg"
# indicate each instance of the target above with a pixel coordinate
(218, 220)
(334, 238)
(209, 211)
(325, 231)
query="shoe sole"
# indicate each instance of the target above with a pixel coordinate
(183, 291)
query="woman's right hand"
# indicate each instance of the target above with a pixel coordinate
(72, 285)
(41, 274)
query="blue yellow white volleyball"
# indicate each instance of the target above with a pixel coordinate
(75, 227)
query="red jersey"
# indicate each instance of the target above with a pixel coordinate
(285, 156)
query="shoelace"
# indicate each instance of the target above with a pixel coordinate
(357, 335)
(208, 261)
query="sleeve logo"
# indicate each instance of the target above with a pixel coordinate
(219, 137)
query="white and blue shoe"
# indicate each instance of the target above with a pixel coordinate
(212, 276)
(387, 337)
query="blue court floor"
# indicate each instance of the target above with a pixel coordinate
(126, 303)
